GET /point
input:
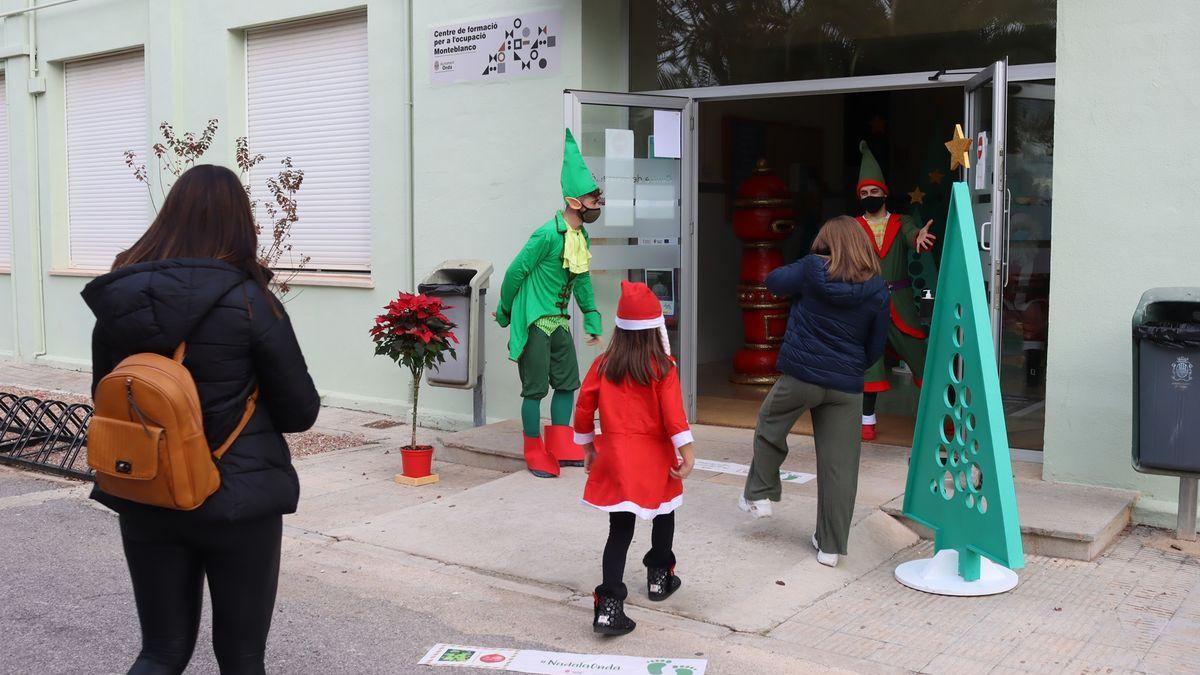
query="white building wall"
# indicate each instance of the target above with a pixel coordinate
(1125, 162)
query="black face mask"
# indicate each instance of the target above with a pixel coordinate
(588, 215)
(871, 204)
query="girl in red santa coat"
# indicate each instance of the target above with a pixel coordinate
(632, 466)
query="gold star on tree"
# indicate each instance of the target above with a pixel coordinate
(935, 177)
(960, 149)
(916, 196)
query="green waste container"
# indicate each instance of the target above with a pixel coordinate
(1166, 381)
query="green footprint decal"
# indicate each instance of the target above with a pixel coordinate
(656, 667)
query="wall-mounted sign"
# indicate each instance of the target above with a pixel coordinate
(496, 49)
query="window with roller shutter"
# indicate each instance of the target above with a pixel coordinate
(307, 98)
(106, 115)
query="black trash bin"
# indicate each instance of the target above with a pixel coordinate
(1166, 343)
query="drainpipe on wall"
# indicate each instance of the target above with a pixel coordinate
(412, 164)
(35, 87)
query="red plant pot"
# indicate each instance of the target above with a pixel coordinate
(417, 461)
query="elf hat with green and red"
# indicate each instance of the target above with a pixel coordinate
(869, 172)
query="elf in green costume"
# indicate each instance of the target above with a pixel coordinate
(892, 236)
(534, 301)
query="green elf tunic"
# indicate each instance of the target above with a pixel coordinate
(535, 296)
(904, 335)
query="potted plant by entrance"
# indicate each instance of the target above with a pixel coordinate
(414, 332)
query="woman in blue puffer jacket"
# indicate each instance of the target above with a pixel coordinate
(837, 327)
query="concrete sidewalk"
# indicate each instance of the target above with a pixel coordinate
(1057, 519)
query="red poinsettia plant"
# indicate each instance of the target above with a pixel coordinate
(415, 333)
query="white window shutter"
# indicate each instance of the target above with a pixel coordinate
(307, 98)
(5, 186)
(106, 115)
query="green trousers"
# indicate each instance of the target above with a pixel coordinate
(837, 428)
(547, 362)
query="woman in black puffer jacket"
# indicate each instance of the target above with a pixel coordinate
(837, 327)
(194, 276)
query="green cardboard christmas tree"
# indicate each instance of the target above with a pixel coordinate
(961, 485)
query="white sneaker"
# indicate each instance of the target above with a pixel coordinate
(826, 559)
(759, 508)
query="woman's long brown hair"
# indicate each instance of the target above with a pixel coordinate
(206, 214)
(635, 354)
(851, 257)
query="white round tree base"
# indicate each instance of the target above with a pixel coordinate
(939, 575)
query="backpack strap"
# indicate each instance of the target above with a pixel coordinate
(250, 401)
(246, 415)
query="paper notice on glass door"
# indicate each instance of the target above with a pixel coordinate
(618, 179)
(982, 166)
(666, 134)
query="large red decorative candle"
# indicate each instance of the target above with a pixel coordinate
(762, 219)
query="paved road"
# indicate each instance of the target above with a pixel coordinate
(68, 607)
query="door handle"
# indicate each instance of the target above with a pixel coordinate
(984, 244)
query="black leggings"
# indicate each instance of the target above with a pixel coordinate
(620, 536)
(869, 400)
(169, 559)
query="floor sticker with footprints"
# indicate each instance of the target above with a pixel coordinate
(557, 663)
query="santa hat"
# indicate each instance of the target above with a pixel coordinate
(869, 172)
(640, 309)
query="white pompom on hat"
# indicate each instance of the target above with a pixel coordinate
(640, 309)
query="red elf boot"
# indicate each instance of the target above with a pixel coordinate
(868, 427)
(538, 460)
(560, 442)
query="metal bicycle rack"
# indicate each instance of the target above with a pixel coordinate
(45, 435)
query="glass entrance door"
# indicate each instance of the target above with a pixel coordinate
(639, 149)
(986, 116)
(1029, 158)
(1011, 125)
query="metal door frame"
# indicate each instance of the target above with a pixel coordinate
(574, 100)
(997, 229)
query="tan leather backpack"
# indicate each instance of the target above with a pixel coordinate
(146, 437)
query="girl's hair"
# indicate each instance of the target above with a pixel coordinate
(850, 255)
(636, 354)
(206, 214)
